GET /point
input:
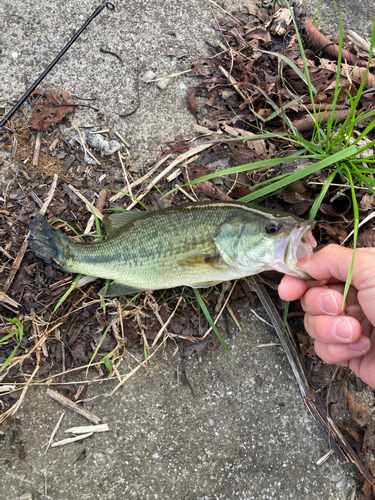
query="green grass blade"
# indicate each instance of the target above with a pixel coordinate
(126, 194)
(315, 207)
(285, 107)
(241, 168)
(299, 174)
(108, 364)
(210, 320)
(68, 292)
(69, 226)
(294, 67)
(337, 89)
(18, 333)
(355, 235)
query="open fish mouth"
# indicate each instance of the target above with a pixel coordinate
(300, 243)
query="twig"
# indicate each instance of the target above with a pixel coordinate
(125, 173)
(169, 76)
(54, 431)
(121, 194)
(71, 440)
(122, 139)
(103, 51)
(233, 80)
(174, 163)
(36, 334)
(85, 200)
(99, 206)
(221, 310)
(222, 10)
(12, 411)
(73, 406)
(16, 264)
(50, 195)
(82, 142)
(231, 312)
(185, 193)
(166, 323)
(138, 99)
(7, 300)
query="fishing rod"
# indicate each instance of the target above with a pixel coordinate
(106, 3)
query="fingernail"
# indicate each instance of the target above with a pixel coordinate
(328, 303)
(302, 261)
(363, 344)
(342, 329)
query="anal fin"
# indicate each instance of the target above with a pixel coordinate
(117, 290)
(205, 284)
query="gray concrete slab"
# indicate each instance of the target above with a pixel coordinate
(234, 439)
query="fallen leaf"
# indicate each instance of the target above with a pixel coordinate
(50, 107)
(361, 412)
(367, 202)
(191, 101)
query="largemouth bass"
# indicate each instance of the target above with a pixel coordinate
(194, 244)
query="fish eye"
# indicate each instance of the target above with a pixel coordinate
(273, 228)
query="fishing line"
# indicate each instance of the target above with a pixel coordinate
(106, 3)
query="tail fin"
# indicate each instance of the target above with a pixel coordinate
(47, 243)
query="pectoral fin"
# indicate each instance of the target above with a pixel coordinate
(202, 260)
(117, 289)
(115, 221)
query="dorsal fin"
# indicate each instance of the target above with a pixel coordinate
(115, 221)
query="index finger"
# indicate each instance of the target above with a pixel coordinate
(291, 288)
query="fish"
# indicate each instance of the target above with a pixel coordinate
(193, 244)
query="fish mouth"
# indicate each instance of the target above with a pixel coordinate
(300, 243)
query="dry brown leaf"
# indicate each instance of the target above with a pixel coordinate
(191, 101)
(50, 107)
(367, 202)
(361, 412)
(335, 232)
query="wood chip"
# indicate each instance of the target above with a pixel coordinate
(73, 406)
(7, 300)
(53, 145)
(38, 142)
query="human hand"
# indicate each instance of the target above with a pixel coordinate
(342, 336)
